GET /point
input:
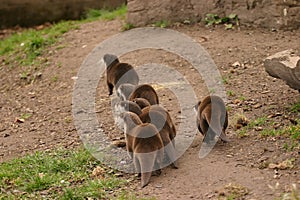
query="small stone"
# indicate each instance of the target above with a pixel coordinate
(258, 128)
(237, 102)
(274, 115)
(119, 143)
(236, 64)
(6, 135)
(257, 106)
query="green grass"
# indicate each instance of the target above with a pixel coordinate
(25, 47)
(162, 24)
(289, 131)
(230, 93)
(127, 26)
(28, 45)
(257, 122)
(296, 107)
(59, 174)
(106, 14)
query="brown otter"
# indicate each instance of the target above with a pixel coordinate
(212, 118)
(145, 91)
(144, 145)
(118, 73)
(160, 117)
(130, 106)
(141, 102)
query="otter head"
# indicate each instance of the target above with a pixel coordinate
(110, 59)
(129, 120)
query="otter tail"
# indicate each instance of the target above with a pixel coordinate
(215, 121)
(146, 164)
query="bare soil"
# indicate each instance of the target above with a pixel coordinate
(239, 167)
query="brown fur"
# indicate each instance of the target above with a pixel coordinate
(141, 102)
(160, 117)
(130, 106)
(144, 144)
(212, 118)
(118, 73)
(145, 91)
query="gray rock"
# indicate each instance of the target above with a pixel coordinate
(285, 65)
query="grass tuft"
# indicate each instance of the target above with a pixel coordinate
(103, 14)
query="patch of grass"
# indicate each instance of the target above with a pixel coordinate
(243, 133)
(126, 196)
(162, 24)
(229, 21)
(242, 98)
(296, 107)
(103, 14)
(224, 80)
(127, 26)
(27, 46)
(59, 174)
(25, 116)
(257, 122)
(230, 93)
(54, 78)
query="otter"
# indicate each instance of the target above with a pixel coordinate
(130, 106)
(144, 145)
(160, 117)
(212, 118)
(145, 91)
(118, 73)
(141, 102)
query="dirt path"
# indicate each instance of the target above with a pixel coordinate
(240, 166)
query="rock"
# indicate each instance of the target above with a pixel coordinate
(284, 65)
(119, 143)
(267, 14)
(236, 64)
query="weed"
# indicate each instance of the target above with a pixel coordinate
(25, 116)
(127, 26)
(103, 14)
(162, 24)
(24, 75)
(242, 98)
(257, 122)
(212, 90)
(229, 21)
(243, 133)
(54, 78)
(224, 80)
(230, 93)
(295, 108)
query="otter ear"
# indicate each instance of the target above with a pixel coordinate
(197, 105)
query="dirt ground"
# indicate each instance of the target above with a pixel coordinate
(239, 167)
